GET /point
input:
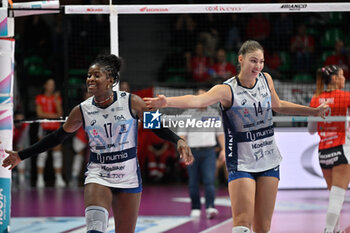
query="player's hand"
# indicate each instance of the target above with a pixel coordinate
(156, 103)
(322, 110)
(12, 160)
(185, 152)
(222, 155)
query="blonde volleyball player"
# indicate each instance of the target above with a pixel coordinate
(334, 147)
(110, 119)
(252, 156)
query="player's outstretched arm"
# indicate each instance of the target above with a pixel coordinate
(218, 93)
(51, 140)
(287, 107)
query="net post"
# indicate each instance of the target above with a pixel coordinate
(114, 43)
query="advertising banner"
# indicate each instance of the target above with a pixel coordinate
(6, 127)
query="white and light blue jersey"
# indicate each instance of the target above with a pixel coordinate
(112, 135)
(249, 132)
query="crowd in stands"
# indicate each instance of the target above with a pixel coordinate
(293, 48)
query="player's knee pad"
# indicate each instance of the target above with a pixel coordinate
(41, 160)
(57, 159)
(240, 229)
(96, 219)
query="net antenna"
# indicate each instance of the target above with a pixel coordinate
(114, 45)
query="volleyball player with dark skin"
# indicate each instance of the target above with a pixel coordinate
(253, 180)
(125, 203)
(334, 147)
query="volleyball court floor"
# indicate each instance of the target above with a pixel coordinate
(165, 209)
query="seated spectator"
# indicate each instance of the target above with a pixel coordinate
(339, 58)
(198, 64)
(302, 48)
(158, 152)
(222, 69)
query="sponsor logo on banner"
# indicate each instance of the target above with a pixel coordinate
(294, 7)
(222, 8)
(4, 203)
(153, 9)
(94, 9)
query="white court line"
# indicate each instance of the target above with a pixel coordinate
(147, 224)
(210, 229)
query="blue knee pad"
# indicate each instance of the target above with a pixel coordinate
(96, 219)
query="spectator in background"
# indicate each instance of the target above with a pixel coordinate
(158, 154)
(20, 141)
(222, 69)
(233, 40)
(282, 30)
(184, 33)
(258, 28)
(124, 86)
(339, 58)
(37, 34)
(204, 166)
(198, 64)
(209, 34)
(302, 48)
(49, 106)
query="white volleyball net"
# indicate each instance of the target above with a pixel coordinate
(159, 45)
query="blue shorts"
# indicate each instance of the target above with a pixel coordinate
(274, 172)
(127, 190)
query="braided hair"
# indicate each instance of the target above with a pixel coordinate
(111, 64)
(324, 76)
